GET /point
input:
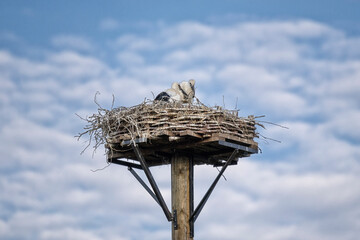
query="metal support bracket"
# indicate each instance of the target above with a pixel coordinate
(152, 182)
(124, 163)
(154, 191)
(237, 146)
(198, 209)
(175, 220)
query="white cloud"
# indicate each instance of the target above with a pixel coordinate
(63, 65)
(68, 233)
(340, 126)
(186, 33)
(266, 90)
(344, 47)
(264, 198)
(289, 29)
(132, 42)
(73, 65)
(72, 42)
(130, 58)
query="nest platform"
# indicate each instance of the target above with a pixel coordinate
(208, 134)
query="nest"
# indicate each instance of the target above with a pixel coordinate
(168, 126)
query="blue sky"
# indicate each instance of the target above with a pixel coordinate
(298, 63)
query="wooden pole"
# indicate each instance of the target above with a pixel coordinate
(180, 196)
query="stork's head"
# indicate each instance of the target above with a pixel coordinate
(192, 85)
(192, 82)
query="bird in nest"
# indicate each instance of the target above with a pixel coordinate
(179, 92)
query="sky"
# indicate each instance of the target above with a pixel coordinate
(297, 63)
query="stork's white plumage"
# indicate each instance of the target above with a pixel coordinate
(188, 89)
(175, 93)
(172, 94)
(183, 92)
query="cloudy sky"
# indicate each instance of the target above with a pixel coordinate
(298, 63)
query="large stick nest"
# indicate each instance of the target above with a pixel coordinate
(152, 119)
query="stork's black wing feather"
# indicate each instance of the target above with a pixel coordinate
(163, 96)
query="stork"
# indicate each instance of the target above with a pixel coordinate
(172, 94)
(183, 92)
(188, 90)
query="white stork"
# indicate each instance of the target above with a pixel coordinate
(172, 94)
(188, 90)
(183, 92)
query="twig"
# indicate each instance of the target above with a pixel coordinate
(100, 169)
(267, 138)
(275, 124)
(113, 101)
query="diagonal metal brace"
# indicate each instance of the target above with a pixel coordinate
(198, 209)
(124, 163)
(144, 184)
(152, 182)
(237, 146)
